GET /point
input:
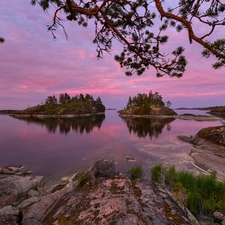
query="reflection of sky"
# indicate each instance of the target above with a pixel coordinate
(55, 154)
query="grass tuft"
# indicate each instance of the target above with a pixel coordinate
(136, 172)
(157, 173)
(203, 192)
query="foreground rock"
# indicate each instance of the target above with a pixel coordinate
(17, 187)
(101, 196)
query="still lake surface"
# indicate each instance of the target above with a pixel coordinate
(58, 147)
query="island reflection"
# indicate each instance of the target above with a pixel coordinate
(144, 127)
(65, 125)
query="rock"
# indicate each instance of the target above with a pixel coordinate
(10, 215)
(209, 150)
(13, 188)
(114, 201)
(216, 135)
(104, 197)
(15, 169)
(35, 214)
(110, 199)
(185, 138)
(57, 187)
(153, 111)
(28, 202)
(129, 158)
(4, 170)
(104, 168)
(33, 193)
(219, 216)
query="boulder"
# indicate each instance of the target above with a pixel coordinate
(219, 216)
(215, 135)
(10, 215)
(28, 202)
(104, 168)
(13, 188)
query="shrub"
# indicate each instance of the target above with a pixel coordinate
(156, 172)
(136, 172)
(198, 193)
(171, 176)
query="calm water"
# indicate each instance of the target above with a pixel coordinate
(55, 148)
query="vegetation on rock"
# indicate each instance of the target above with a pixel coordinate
(217, 111)
(201, 194)
(151, 104)
(78, 104)
(216, 135)
(135, 172)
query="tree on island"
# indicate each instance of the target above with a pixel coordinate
(134, 23)
(64, 98)
(76, 100)
(78, 104)
(168, 104)
(51, 100)
(146, 101)
(145, 104)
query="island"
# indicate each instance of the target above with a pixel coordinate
(64, 107)
(147, 104)
(152, 106)
(217, 111)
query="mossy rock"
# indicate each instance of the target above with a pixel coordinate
(215, 135)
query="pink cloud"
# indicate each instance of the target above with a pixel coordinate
(33, 65)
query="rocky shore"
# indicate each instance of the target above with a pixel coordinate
(43, 116)
(183, 117)
(99, 195)
(209, 149)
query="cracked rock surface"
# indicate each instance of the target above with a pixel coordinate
(99, 196)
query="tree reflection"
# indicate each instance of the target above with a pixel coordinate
(65, 125)
(144, 127)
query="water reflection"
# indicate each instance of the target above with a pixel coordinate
(144, 127)
(65, 125)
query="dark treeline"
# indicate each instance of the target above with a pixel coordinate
(147, 100)
(78, 104)
(65, 99)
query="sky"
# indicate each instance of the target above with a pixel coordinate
(34, 66)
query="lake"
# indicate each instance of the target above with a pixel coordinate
(58, 147)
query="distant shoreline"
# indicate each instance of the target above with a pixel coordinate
(183, 117)
(8, 111)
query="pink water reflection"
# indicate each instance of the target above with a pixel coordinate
(55, 154)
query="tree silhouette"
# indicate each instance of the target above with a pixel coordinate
(2, 40)
(133, 23)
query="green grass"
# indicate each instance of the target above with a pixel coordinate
(203, 192)
(157, 173)
(136, 172)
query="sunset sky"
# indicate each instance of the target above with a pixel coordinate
(34, 66)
